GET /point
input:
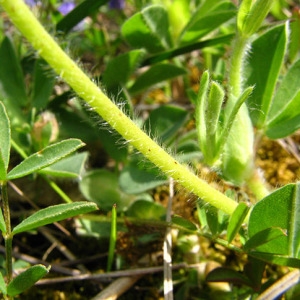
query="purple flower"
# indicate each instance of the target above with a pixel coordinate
(66, 7)
(117, 4)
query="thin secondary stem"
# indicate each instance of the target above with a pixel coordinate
(168, 282)
(113, 238)
(57, 189)
(239, 51)
(25, 21)
(7, 235)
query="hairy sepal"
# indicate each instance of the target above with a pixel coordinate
(237, 159)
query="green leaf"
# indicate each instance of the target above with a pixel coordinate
(262, 70)
(155, 75)
(3, 288)
(4, 142)
(237, 157)
(236, 220)
(243, 12)
(213, 109)
(148, 29)
(43, 82)
(11, 75)
(146, 210)
(286, 125)
(70, 167)
(53, 214)
(164, 122)
(183, 224)
(203, 24)
(2, 222)
(81, 11)
(44, 158)
(114, 144)
(227, 275)
(294, 44)
(263, 237)
(134, 180)
(282, 260)
(225, 39)
(26, 279)
(101, 186)
(254, 270)
(284, 116)
(280, 209)
(231, 116)
(119, 69)
(258, 11)
(212, 217)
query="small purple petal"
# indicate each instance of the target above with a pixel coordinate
(117, 4)
(66, 7)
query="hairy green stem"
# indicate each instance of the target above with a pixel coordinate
(239, 51)
(236, 83)
(47, 48)
(7, 235)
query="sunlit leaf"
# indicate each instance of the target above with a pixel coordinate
(263, 237)
(183, 223)
(70, 167)
(205, 22)
(148, 29)
(45, 158)
(168, 54)
(283, 260)
(4, 141)
(236, 220)
(54, 213)
(284, 116)
(262, 70)
(155, 75)
(279, 209)
(227, 275)
(26, 279)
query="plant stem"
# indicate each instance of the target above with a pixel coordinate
(255, 181)
(239, 51)
(257, 185)
(57, 189)
(25, 21)
(7, 235)
(113, 238)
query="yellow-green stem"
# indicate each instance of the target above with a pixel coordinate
(239, 52)
(7, 235)
(47, 48)
(113, 238)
